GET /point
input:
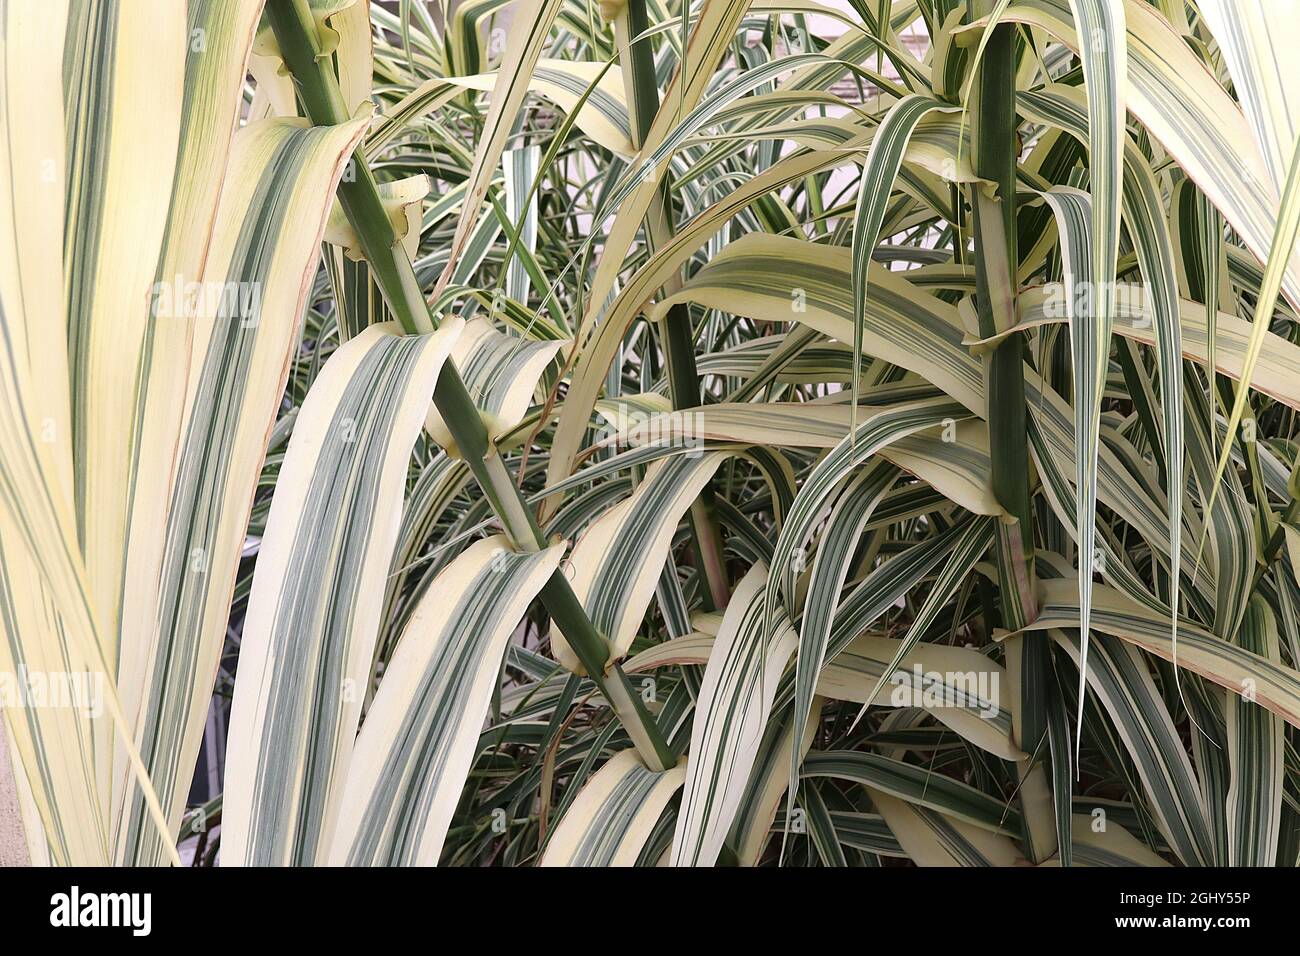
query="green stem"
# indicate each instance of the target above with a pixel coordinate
(993, 135)
(993, 132)
(318, 90)
(684, 389)
(678, 342)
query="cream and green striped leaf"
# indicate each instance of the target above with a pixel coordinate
(428, 500)
(521, 168)
(616, 563)
(313, 615)
(1256, 740)
(952, 456)
(533, 19)
(602, 115)
(1252, 37)
(713, 32)
(930, 838)
(501, 372)
(259, 247)
(120, 168)
(613, 815)
(1111, 845)
(920, 332)
(1187, 110)
(1143, 212)
(783, 279)
(417, 743)
(153, 214)
(969, 548)
(875, 186)
(49, 605)
(1280, 251)
(1276, 687)
(1122, 682)
(948, 687)
(917, 786)
(1089, 248)
(768, 781)
(596, 353)
(830, 568)
(280, 172)
(731, 712)
(878, 429)
(1233, 550)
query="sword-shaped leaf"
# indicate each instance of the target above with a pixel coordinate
(735, 699)
(611, 819)
(313, 616)
(418, 740)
